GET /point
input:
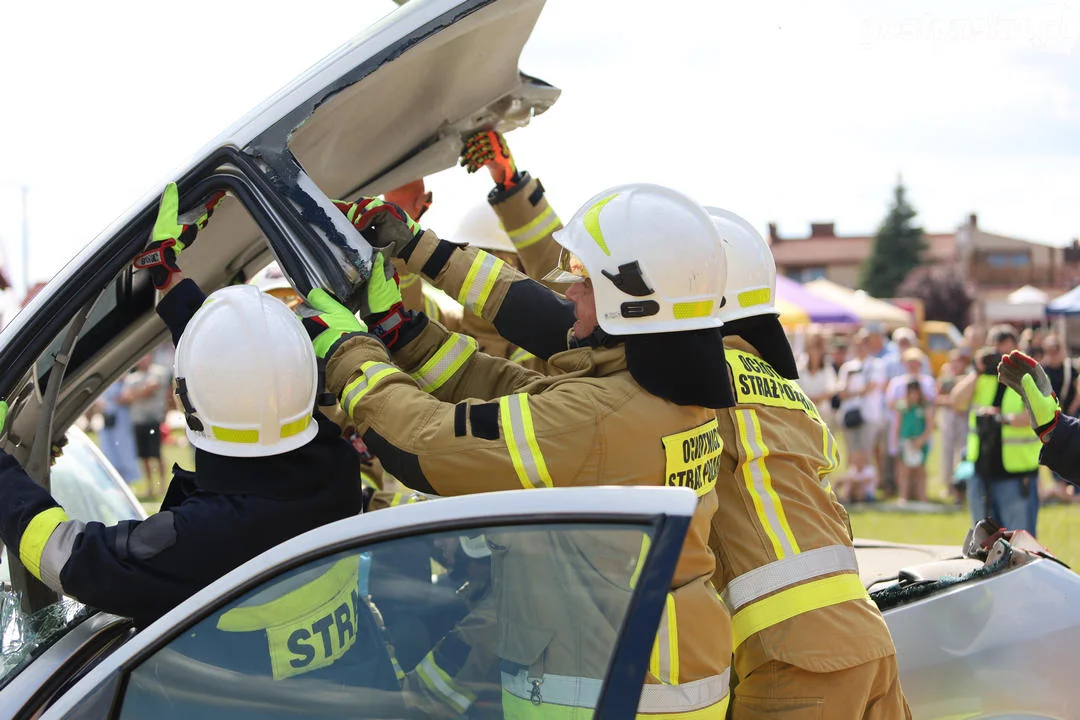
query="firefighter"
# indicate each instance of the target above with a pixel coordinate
(266, 470)
(515, 224)
(637, 359)
(1057, 432)
(806, 634)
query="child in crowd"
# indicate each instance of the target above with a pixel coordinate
(913, 441)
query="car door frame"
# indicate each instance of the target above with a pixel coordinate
(667, 510)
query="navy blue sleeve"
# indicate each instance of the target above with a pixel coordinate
(179, 305)
(1061, 453)
(21, 499)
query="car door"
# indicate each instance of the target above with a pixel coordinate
(390, 106)
(305, 629)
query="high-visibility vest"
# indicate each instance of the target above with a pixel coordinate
(1020, 446)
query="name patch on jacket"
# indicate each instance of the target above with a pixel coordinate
(756, 383)
(693, 457)
(309, 627)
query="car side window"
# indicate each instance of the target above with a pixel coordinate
(436, 625)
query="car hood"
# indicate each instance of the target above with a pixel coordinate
(390, 106)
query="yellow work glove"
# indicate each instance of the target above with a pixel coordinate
(1025, 376)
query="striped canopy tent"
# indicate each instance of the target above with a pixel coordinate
(799, 307)
(868, 309)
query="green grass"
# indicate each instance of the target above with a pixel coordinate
(1058, 529)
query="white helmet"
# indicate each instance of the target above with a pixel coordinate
(751, 269)
(246, 375)
(480, 227)
(655, 257)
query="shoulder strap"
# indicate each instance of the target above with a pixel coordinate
(999, 395)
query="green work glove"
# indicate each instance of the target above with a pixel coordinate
(170, 236)
(3, 414)
(1025, 376)
(383, 292)
(383, 224)
(327, 321)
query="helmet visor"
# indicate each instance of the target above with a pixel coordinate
(569, 270)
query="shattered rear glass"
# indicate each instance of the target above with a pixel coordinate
(23, 637)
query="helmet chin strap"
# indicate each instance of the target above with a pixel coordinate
(597, 338)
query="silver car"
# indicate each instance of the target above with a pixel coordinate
(981, 632)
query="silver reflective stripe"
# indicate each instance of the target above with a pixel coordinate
(521, 443)
(433, 678)
(585, 692)
(446, 361)
(475, 294)
(543, 225)
(686, 697)
(779, 574)
(557, 689)
(754, 462)
(1021, 441)
(373, 372)
(57, 552)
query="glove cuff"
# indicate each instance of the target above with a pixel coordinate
(1045, 431)
(385, 325)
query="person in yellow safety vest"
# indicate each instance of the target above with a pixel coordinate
(641, 379)
(515, 225)
(807, 637)
(1000, 442)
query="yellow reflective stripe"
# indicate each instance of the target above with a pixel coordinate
(233, 435)
(296, 427)
(521, 355)
(592, 222)
(446, 361)
(750, 298)
(479, 281)
(537, 229)
(368, 481)
(406, 498)
(667, 645)
(431, 308)
(795, 601)
(763, 581)
(759, 485)
(646, 543)
(517, 428)
(408, 280)
(36, 534)
(684, 310)
(440, 683)
(373, 372)
(832, 457)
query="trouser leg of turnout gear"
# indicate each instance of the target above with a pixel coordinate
(870, 691)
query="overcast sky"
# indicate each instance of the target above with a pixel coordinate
(786, 112)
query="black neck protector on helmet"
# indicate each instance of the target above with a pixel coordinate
(767, 336)
(686, 368)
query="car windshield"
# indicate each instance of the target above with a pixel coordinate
(88, 488)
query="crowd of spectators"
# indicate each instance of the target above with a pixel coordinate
(879, 393)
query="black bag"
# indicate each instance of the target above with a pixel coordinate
(853, 418)
(110, 419)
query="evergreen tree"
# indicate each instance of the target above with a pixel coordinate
(898, 246)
